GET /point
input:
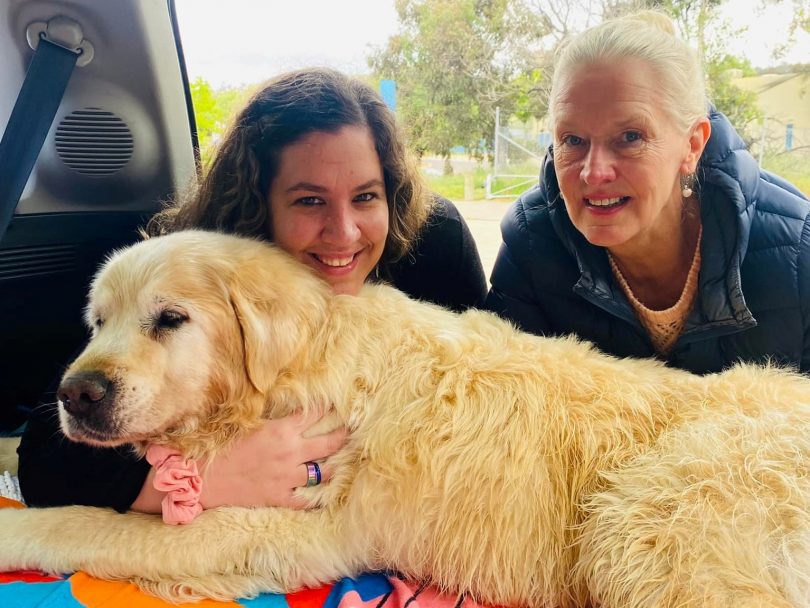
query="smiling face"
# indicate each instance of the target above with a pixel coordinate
(328, 206)
(618, 156)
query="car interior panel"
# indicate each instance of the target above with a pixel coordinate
(122, 142)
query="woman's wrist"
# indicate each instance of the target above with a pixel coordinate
(254, 471)
(149, 499)
(178, 478)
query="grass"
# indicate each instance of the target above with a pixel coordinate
(795, 168)
(452, 186)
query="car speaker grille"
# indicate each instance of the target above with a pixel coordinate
(22, 262)
(94, 142)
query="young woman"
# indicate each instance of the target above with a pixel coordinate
(316, 164)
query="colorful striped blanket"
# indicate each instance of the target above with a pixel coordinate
(79, 590)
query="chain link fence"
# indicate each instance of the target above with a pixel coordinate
(776, 136)
(518, 151)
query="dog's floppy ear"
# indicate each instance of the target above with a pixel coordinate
(273, 318)
(268, 341)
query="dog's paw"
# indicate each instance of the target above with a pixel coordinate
(13, 540)
(44, 539)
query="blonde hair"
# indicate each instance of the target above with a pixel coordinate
(648, 36)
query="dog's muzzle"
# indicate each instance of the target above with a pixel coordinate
(88, 397)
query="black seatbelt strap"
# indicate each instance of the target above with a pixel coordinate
(30, 120)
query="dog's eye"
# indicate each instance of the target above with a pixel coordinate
(98, 323)
(170, 319)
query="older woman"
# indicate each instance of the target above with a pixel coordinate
(652, 231)
(316, 164)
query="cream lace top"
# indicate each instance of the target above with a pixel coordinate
(664, 326)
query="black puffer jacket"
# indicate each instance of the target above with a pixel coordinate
(753, 299)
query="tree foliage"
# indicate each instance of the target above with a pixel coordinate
(454, 62)
(213, 108)
(739, 105)
(800, 22)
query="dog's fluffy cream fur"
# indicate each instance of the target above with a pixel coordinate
(525, 471)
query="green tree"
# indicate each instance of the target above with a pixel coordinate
(213, 108)
(739, 105)
(454, 62)
(800, 22)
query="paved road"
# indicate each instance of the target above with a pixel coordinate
(484, 218)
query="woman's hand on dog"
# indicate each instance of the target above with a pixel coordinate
(266, 467)
(262, 469)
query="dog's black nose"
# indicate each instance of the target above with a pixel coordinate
(80, 393)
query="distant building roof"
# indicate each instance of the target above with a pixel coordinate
(783, 98)
(763, 82)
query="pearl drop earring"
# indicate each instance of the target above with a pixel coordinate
(686, 185)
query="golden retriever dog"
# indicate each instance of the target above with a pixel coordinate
(524, 471)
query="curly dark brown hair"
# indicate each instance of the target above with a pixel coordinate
(232, 194)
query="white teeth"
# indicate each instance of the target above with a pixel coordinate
(336, 262)
(604, 202)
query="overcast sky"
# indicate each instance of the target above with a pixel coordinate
(247, 41)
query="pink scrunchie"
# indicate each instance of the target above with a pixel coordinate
(179, 478)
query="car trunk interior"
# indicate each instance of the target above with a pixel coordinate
(121, 144)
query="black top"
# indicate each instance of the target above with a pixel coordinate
(444, 267)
